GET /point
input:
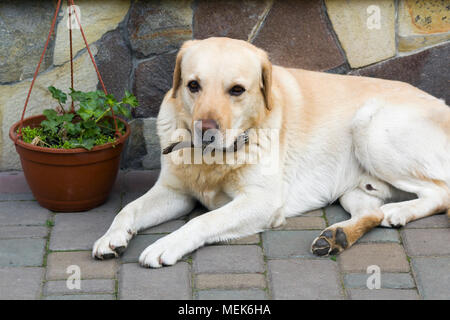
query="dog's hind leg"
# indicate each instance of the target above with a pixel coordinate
(366, 215)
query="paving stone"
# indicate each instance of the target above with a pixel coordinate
(252, 294)
(304, 223)
(95, 24)
(314, 48)
(253, 239)
(229, 259)
(229, 281)
(114, 63)
(21, 283)
(383, 294)
(166, 227)
(21, 36)
(82, 297)
(22, 252)
(432, 276)
(22, 213)
(295, 279)
(289, 244)
(335, 214)
(227, 18)
(315, 213)
(137, 245)
(15, 232)
(436, 221)
(140, 181)
(17, 197)
(159, 26)
(57, 263)
(171, 283)
(422, 23)
(388, 280)
(426, 242)
(86, 286)
(422, 69)
(152, 80)
(13, 182)
(380, 235)
(358, 25)
(390, 257)
(79, 231)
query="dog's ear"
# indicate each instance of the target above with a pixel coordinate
(177, 72)
(266, 80)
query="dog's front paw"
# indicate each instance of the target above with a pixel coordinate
(164, 252)
(395, 215)
(111, 245)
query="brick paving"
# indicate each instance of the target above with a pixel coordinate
(37, 247)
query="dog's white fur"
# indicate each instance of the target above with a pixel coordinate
(364, 141)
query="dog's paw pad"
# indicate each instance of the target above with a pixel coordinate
(330, 242)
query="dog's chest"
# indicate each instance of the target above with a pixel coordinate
(208, 183)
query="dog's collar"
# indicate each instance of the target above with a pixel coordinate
(240, 141)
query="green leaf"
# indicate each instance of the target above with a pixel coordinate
(58, 94)
(130, 99)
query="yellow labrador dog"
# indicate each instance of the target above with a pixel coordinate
(368, 142)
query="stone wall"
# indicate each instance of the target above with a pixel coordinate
(135, 44)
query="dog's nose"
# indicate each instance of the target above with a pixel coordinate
(207, 124)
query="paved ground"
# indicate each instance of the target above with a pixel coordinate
(38, 246)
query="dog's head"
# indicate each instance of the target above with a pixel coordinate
(223, 84)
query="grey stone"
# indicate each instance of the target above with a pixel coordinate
(380, 235)
(389, 257)
(253, 239)
(58, 262)
(13, 182)
(22, 252)
(143, 149)
(422, 69)
(24, 213)
(427, 242)
(295, 279)
(159, 26)
(15, 232)
(233, 19)
(383, 294)
(303, 223)
(137, 181)
(114, 63)
(432, 276)
(22, 34)
(296, 34)
(20, 283)
(172, 283)
(86, 286)
(17, 197)
(388, 280)
(289, 244)
(79, 231)
(335, 214)
(82, 297)
(249, 294)
(152, 80)
(229, 259)
(137, 245)
(436, 221)
(230, 281)
(166, 227)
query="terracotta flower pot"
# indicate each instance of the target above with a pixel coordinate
(69, 180)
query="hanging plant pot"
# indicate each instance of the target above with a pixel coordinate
(69, 180)
(71, 158)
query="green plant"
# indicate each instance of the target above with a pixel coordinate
(90, 125)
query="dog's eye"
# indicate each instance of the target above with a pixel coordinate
(237, 91)
(193, 86)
